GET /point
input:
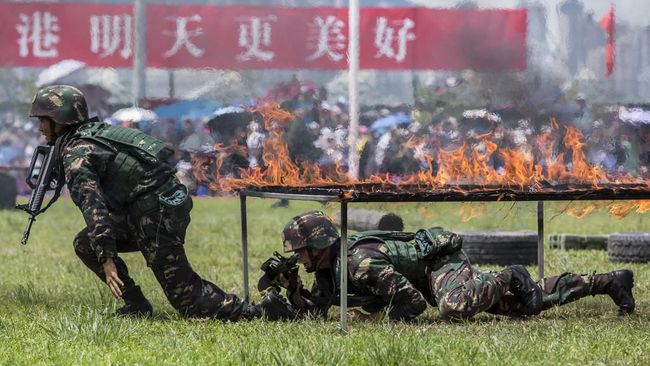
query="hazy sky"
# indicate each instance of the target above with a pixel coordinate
(633, 11)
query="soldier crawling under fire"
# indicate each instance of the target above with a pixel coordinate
(401, 272)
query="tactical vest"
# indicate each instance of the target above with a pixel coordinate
(403, 254)
(138, 151)
(411, 253)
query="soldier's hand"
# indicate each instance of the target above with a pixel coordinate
(288, 280)
(112, 279)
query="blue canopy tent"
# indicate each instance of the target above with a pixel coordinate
(385, 123)
(182, 110)
(187, 109)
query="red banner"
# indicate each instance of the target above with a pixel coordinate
(238, 37)
(43, 34)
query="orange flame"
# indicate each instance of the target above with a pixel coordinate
(471, 211)
(538, 166)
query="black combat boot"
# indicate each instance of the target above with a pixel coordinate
(276, 307)
(250, 312)
(526, 290)
(618, 285)
(273, 307)
(135, 304)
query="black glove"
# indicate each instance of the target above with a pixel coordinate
(279, 271)
(276, 308)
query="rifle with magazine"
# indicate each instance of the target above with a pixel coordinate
(41, 179)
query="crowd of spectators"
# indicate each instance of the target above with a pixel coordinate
(393, 140)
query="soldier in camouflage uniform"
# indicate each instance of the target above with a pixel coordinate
(405, 271)
(124, 184)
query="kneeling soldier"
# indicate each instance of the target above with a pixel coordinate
(123, 182)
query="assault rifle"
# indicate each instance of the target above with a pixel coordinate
(279, 264)
(275, 266)
(40, 180)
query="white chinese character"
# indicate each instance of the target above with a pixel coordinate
(255, 32)
(385, 37)
(107, 32)
(331, 39)
(39, 30)
(183, 36)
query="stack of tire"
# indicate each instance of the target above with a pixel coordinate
(566, 241)
(8, 191)
(629, 247)
(500, 247)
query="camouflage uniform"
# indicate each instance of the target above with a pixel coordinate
(130, 201)
(404, 277)
(461, 290)
(142, 223)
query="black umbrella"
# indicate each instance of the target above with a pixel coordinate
(226, 121)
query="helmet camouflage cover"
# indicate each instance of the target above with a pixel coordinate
(313, 230)
(65, 104)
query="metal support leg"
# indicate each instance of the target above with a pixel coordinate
(344, 267)
(540, 239)
(244, 244)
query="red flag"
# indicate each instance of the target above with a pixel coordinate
(608, 24)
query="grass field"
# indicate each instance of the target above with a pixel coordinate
(54, 311)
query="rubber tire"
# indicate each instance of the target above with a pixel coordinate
(629, 247)
(8, 191)
(566, 241)
(500, 247)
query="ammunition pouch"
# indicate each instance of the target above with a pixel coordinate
(170, 195)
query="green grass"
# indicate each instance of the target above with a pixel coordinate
(54, 311)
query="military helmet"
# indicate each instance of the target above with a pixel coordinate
(65, 104)
(313, 230)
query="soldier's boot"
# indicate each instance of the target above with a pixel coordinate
(273, 307)
(276, 307)
(618, 285)
(135, 304)
(526, 290)
(250, 311)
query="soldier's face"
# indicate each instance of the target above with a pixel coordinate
(46, 128)
(305, 259)
(313, 259)
(49, 129)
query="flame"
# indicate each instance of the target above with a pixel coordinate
(471, 211)
(554, 160)
(622, 209)
(580, 211)
(644, 206)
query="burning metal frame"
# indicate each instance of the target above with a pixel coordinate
(371, 192)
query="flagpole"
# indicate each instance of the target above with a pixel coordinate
(138, 86)
(353, 70)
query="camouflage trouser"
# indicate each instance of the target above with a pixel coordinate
(557, 290)
(158, 232)
(462, 291)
